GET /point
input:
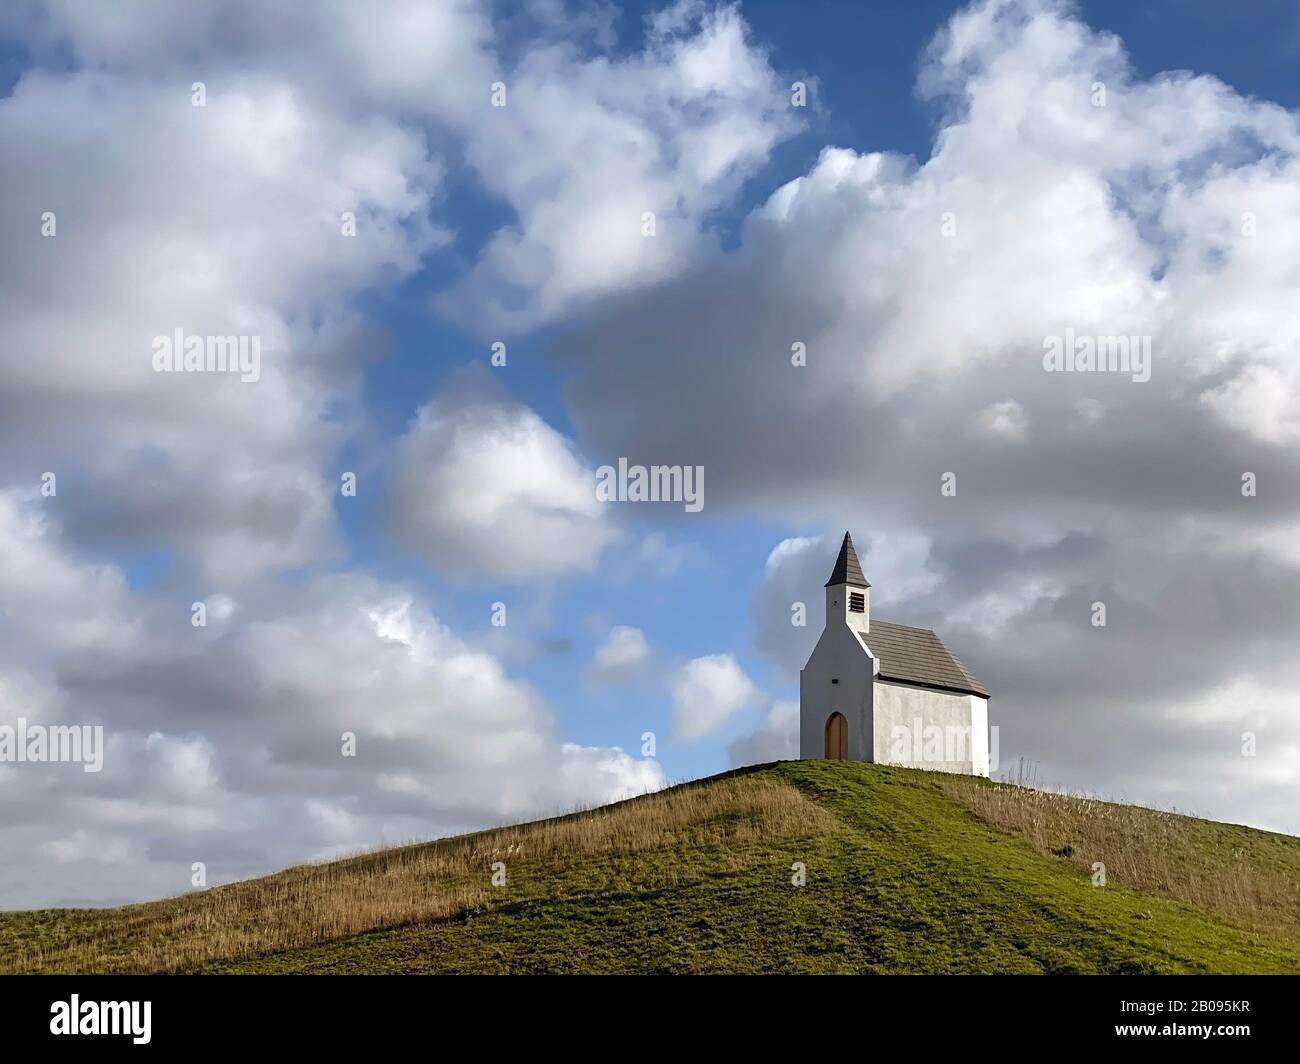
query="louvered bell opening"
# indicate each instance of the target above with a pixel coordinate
(857, 602)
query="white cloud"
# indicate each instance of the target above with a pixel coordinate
(664, 558)
(706, 693)
(1243, 701)
(591, 775)
(164, 223)
(587, 145)
(622, 658)
(483, 486)
(182, 763)
(417, 55)
(1006, 420)
(776, 740)
(588, 141)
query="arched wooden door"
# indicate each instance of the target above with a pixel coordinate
(837, 737)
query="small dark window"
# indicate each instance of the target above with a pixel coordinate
(857, 602)
(835, 681)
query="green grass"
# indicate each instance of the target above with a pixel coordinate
(902, 876)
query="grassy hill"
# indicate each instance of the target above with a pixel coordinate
(906, 872)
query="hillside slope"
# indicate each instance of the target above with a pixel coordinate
(905, 872)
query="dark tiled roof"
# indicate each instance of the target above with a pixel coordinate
(847, 570)
(917, 655)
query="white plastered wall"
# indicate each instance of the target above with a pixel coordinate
(925, 728)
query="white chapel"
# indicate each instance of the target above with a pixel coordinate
(876, 691)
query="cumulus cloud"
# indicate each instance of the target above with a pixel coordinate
(776, 740)
(621, 658)
(483, 486)
(1104, 220)
(1006, 420)
(396, 54)
(157, 222)
(671, 131)
(707, 693)
(587, 142)
(788, 592)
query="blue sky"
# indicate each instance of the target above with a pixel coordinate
(1169, 210)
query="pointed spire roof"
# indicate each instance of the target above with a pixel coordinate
(847, 570)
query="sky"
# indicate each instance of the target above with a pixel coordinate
(918, 196)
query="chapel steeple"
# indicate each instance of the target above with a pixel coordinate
(847, 568)
(848, 594)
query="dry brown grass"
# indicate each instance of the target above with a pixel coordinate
(1249, 878)
(310, 904)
